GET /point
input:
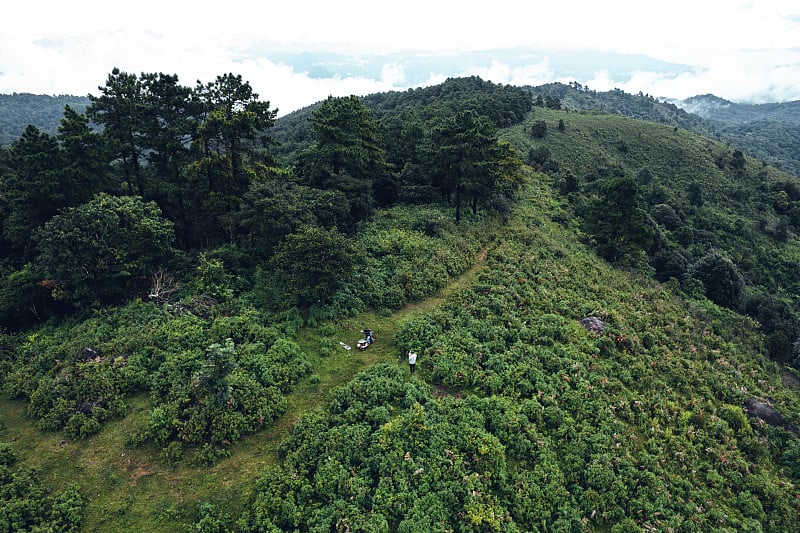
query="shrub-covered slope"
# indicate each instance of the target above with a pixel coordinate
(532, 423)
(673, 417)
(699, 198)
(164, 390)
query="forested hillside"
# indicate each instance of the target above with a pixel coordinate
(20, 109)
(767, 131)
(577, 97)
(604, 309)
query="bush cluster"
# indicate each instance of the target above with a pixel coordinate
(26, 504)
(211, 380)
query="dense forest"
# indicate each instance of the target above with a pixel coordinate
(605, 310)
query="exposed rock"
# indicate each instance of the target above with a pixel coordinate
(790, 380)
(89, 354)
(593, 324)
(88, 407)
(756, 408)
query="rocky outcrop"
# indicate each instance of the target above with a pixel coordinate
(755, 408)
(593, 324)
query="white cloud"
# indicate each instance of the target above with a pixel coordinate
(499, 72)
(601, 82)
(393, 75)
(739, 49)
(755, 77)
(288, 90)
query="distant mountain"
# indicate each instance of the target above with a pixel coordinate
(719, 110)
(575, 97)
(18, 110)
(768, 132)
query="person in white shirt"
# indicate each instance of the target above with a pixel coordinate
(412, 360)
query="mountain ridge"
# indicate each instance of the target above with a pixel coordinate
(518, 418)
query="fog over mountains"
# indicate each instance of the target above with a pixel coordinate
(715, 108)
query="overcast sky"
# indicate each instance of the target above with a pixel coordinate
(298, 52)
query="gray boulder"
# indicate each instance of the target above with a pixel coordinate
(755, 408)
(593, 324)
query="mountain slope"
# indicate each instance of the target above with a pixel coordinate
(20, 109)
(534, 423)
(767, 131)
(698, 178)
(519, 418)
(617, 102)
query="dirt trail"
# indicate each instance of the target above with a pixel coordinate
(340, 367)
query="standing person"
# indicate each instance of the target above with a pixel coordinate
(412, 360)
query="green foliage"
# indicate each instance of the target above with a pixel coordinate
(7, 454)
(23, 300)
(27, 505)
(18, 110)
(102, 250)
(311, 264)
(70, 384)
(78, 378)
(213, 376)
(33, 189)
(665, 215)
(539, 129)
(617, 221)
(211, 519)
(467, 161)
(721, 281)
(273, 209)
(407, 253)
(211, 279)
(504, 105)
(206, 401)
(231, 134)
(383, 456)
(347, 156)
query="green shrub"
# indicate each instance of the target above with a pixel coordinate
(722, 282)
(7, 454)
